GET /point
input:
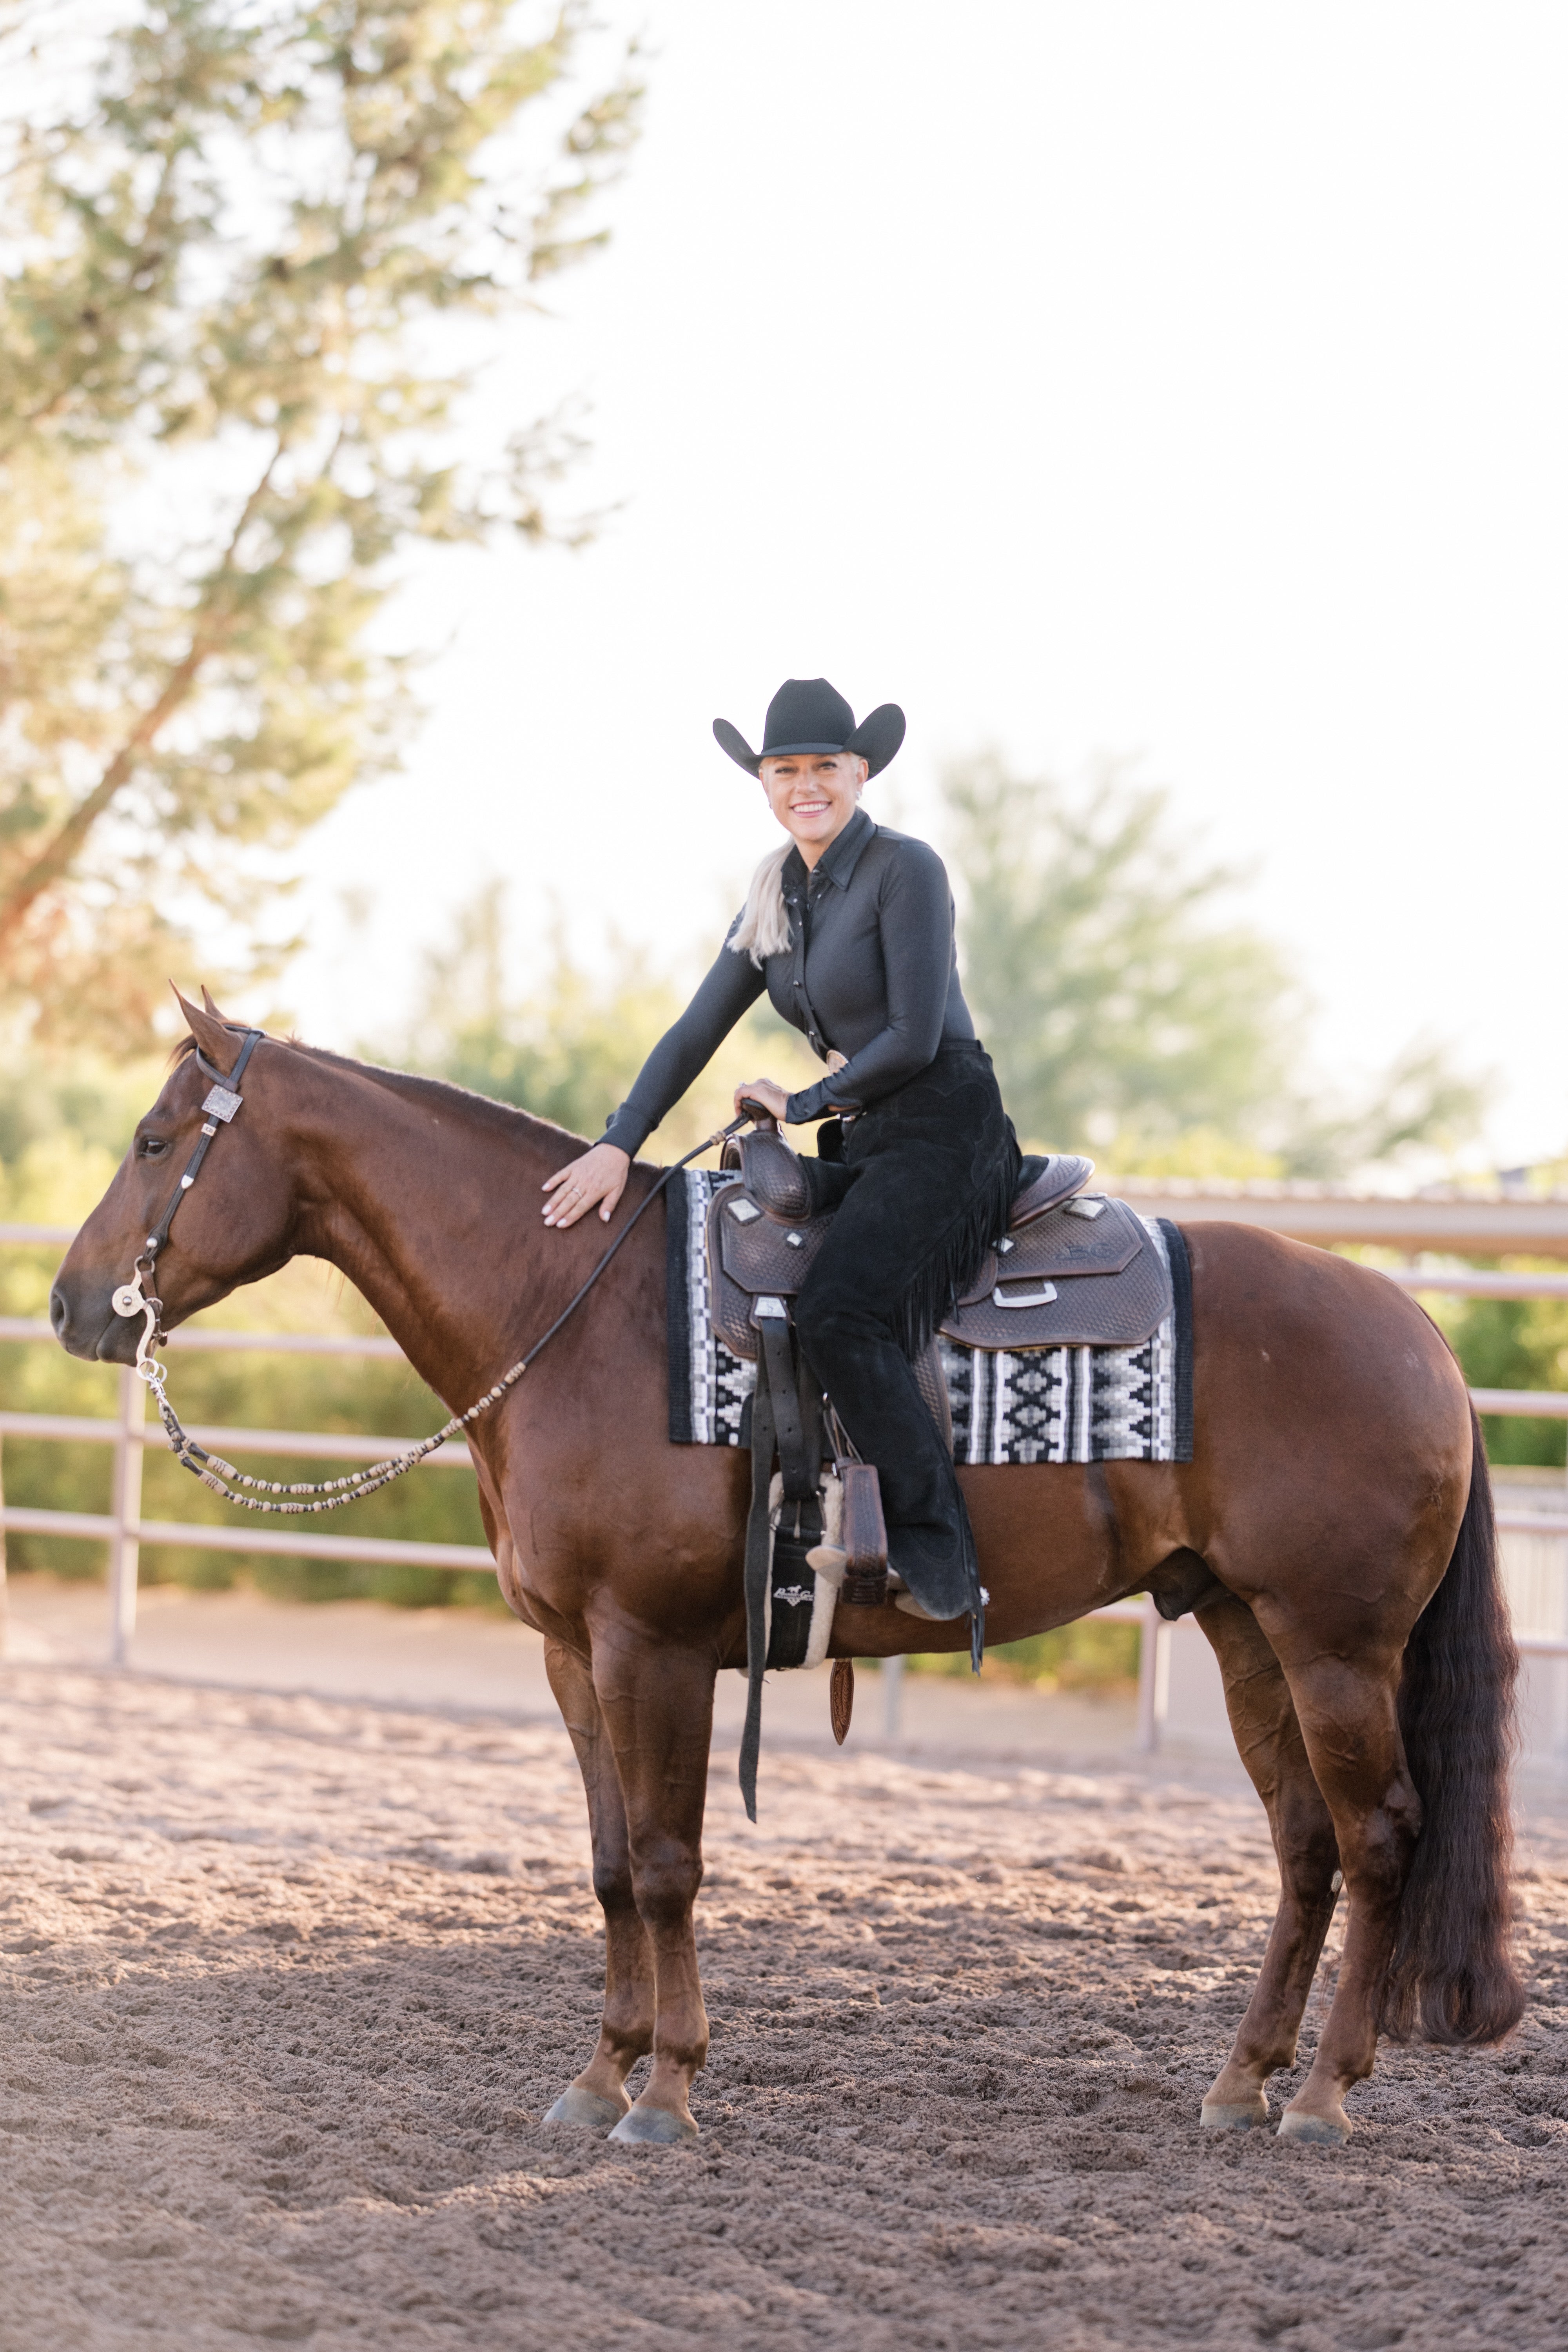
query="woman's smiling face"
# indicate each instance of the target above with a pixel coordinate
(814, 794)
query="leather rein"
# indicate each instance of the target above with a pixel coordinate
(220, 1106)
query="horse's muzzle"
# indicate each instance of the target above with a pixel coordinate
(86, 1325)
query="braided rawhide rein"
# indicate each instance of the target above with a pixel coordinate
(214, 1472)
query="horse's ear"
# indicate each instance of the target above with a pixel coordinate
(212, 1008)
(219, 1044)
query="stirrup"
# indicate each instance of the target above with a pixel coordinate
(865, 1537)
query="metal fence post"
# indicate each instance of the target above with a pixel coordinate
(1154, 1676)
(892, 1696)
(125, 1544)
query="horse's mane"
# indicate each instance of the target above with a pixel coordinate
(483, 1107)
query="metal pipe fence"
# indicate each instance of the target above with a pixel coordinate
(124, 1530)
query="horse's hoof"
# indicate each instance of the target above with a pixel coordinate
(653, 2128)
(586, 2110)
(1212, 2118)
(1324, 2131)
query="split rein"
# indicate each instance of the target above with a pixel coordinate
(221, 1103)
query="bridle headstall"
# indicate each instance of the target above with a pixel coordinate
(220, 1107)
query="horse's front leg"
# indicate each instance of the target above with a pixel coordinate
(656, 1698)
(597, 2098)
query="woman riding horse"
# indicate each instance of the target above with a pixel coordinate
(851, 928)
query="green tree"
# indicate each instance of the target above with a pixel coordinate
(570, 1048)
(251, 263)
(1115, 1006)
(1514, 1343)
(1127, 1014)
(566, 1052)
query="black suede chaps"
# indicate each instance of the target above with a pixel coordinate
(927, 1181)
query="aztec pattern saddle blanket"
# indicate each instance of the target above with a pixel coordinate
(1066, 1403)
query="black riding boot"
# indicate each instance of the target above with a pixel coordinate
(854, 1355)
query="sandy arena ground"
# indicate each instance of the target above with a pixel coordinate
(288, 1981)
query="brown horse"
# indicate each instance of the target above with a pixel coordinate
(1333, 1533)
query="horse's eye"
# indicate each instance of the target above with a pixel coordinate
(150, 1146)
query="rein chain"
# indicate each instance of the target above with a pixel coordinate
(220, 1105)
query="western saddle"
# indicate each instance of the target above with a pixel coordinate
(1074, 1269)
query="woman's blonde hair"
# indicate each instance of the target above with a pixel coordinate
(763, 927)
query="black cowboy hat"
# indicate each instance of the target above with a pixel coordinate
(807, 715)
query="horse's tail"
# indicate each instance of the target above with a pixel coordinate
(1452, 1979)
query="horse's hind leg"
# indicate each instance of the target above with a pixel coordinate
(597, 2098)
(1348, 1710)
(1263, 1719)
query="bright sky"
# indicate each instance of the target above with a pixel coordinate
(1185, 381)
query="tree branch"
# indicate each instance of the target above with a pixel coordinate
(59, 854)
(158, 236)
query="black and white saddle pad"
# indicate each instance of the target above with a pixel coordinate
(1051, 1404)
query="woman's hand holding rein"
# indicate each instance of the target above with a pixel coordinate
(600, 1176)
(762, 1090)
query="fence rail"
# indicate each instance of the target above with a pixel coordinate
(327, 1444)
(1466, 1225)
(391, 1553)
(277, 1343)
(124, 1530)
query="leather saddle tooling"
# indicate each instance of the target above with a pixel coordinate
(1074, 1269)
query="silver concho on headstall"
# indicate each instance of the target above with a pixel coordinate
(222, 1102)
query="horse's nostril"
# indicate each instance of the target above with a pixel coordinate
(59, 1313)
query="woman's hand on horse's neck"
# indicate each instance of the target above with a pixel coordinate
(814, 796)
(596, 1181)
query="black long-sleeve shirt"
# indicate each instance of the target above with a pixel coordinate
(871, 972)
